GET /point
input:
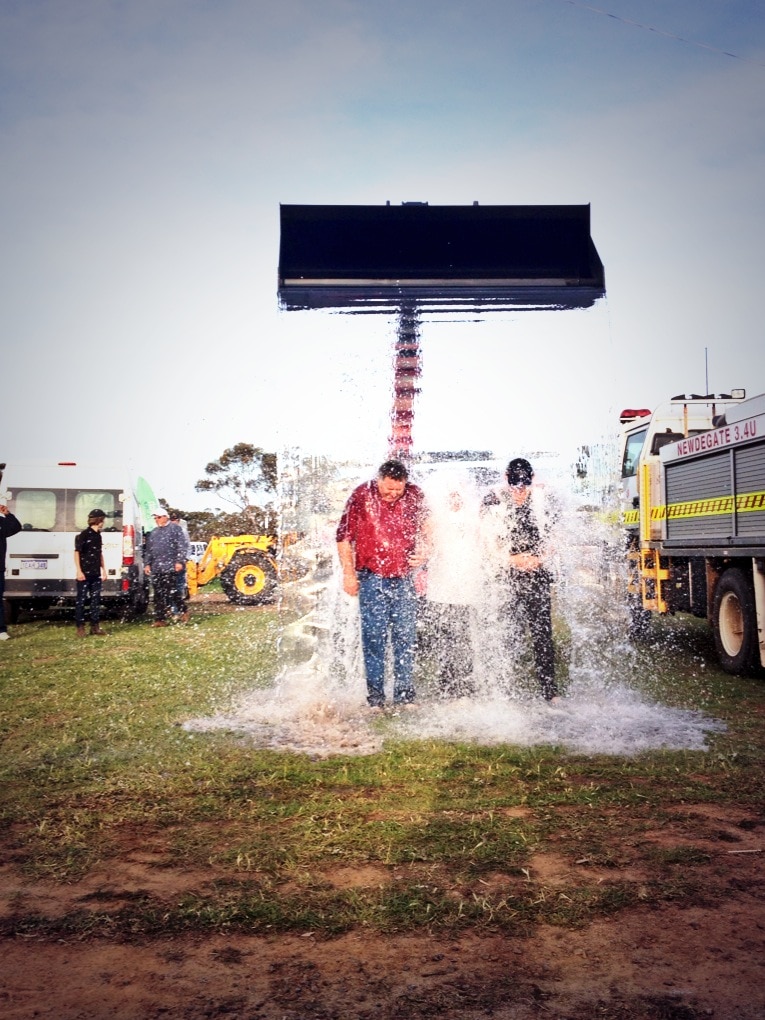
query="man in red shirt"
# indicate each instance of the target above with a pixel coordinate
(380, 542)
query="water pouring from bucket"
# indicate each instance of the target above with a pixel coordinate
(480, 685)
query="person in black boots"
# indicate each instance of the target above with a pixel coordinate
(522, 523)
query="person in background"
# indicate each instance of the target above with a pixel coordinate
(379, 542)
(519, 531)
(180, 602)
(165, 558)
(9, 526)
(90, 571)
(452, 586)
(175, 518)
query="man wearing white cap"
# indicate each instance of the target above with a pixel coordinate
(165, 558)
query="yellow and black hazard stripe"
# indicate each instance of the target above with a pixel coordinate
(746, 502)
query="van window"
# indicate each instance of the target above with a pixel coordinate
(632, 453)
(66, 509)
(86, 500)
(36, 509)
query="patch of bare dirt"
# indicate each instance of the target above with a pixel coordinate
(680, 960)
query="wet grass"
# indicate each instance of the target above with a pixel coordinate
(95, 766)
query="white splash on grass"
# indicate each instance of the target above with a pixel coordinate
(317, 703)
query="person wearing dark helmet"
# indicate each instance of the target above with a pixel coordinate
(521, 526)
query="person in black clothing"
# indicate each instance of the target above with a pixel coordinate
(9, 525)
(520, 534)
(91, 571)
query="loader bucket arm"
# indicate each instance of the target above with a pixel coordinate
(416, 258)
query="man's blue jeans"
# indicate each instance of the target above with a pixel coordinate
(387, 606)
(88, 590)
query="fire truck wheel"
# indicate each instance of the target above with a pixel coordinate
(249, 579)
(734, 621)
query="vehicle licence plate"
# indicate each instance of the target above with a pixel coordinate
(34, 564)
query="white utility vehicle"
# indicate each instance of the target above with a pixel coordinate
(52, 501)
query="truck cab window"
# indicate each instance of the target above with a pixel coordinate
(632, 452)
(664, 439)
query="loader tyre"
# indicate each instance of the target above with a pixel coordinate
(734, 622)
(249, 579)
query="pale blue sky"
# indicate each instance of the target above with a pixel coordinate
(146, 146)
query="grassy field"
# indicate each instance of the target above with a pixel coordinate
(94, 761)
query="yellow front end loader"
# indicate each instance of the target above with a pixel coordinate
(246, 564)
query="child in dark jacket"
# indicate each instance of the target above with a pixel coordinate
(91, 571)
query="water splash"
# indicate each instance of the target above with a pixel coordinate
(616, 722)
(317, 703)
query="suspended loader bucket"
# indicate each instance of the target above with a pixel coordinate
(377, 258)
